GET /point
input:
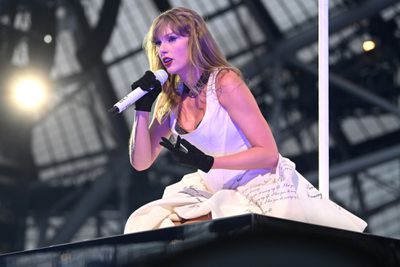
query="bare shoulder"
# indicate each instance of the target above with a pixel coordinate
(228, 80)
(230, 85)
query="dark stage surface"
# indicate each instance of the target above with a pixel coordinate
(246, 240)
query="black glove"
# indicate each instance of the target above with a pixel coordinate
(187, 154)
(147, 82)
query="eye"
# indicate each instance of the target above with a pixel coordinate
(157, 42)
(172, 38)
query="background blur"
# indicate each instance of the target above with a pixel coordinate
(64, 167)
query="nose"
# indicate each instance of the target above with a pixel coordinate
(162, 48)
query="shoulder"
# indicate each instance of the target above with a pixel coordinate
(228, 79)
(230, 85)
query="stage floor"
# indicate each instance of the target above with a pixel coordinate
(246, 240)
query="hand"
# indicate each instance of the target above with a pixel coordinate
(187, 154)
(148, 83)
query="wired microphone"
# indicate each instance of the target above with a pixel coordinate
(137, 93)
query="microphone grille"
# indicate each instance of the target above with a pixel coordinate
(161, 75)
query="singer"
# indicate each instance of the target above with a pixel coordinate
(206, 116)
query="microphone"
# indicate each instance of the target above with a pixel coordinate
(137, 93)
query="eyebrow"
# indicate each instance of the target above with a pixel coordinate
(166, 35)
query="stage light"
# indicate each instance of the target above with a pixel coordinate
(47, 38)
(29, 92)
(368, 45)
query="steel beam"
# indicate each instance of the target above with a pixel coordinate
(94, 198)
(361, 163)
(352, 88)
(286, 48)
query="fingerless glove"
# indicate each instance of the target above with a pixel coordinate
(187, 154)
(147, 82)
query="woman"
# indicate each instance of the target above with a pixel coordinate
(208, 119)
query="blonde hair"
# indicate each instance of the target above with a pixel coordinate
(204, 53)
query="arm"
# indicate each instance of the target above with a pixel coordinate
(144, 144)
(241, 106)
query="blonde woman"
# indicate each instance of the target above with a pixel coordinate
(206, 116)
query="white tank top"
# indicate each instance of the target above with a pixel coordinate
(218, 135)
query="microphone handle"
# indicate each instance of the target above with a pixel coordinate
(161, 76)
(128, 100)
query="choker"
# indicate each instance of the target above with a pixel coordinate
(183, 89)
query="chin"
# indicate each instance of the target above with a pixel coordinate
(171, 70)
(176, 70)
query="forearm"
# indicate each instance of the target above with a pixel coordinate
(253, 158)
(140, 142)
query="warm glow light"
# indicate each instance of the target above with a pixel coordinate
(368, 45)
(29, 93)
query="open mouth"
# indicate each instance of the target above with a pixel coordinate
(167, 61)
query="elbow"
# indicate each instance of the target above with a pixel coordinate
(138, 166)
(275, 158)
(272, 158)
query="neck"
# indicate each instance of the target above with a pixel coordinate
(196, 89)
(186, 78)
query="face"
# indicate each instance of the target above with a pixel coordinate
(173, 50)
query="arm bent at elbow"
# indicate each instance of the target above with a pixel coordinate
(144, 142)
(241, 106)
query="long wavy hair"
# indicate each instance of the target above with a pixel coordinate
(204, 53)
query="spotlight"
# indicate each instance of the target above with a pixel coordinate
(368, 45)
(47, 38)
(29, 92)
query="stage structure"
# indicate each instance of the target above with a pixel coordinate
(323, 97)
(246, 240)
